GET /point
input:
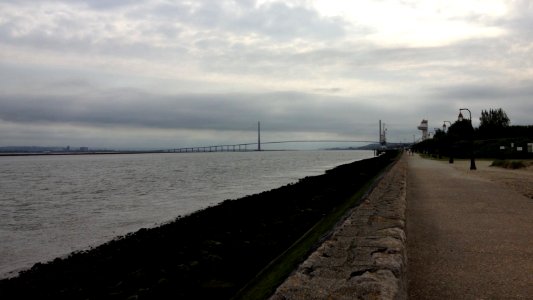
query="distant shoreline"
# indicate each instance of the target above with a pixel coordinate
(80, 153)
(152, 152)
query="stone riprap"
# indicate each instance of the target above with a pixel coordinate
(365, 257)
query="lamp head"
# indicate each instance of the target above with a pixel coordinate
(460, 117)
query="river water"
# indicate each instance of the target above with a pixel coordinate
(53, 205)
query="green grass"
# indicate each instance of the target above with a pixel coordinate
(510, 164)
(266, 282)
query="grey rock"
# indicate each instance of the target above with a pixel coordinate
(365, 257)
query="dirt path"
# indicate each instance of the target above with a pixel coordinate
(470, 235)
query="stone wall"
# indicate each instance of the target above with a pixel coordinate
(365, 257)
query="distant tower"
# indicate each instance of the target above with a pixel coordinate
(258, 136)
(424, 128)
(382, 134)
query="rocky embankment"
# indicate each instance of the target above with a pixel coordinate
(365, 258)
(214, 253)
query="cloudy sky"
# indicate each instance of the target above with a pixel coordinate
(164, 74)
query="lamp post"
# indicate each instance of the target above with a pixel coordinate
(444, 125)
(460, 118)
(451, 150)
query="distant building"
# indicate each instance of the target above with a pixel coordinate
(424, 128)
(84, 149)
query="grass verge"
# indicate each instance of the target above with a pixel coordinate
(511, 164)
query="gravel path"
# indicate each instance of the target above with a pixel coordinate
(520, 180)
(469, 233)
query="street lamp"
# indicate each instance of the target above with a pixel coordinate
(444, 125)
(451, 146)
(460, 118)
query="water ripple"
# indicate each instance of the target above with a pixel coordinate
(52, 205)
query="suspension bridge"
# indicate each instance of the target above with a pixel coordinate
(256, 146)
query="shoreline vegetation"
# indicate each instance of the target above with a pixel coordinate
(512, 164)
(240, 249)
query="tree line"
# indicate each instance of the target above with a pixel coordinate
(494, 138)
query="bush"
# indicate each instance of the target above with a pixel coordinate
(508, 164)
(498, 163)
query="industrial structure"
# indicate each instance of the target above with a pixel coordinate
(424, 128)
(382, 134)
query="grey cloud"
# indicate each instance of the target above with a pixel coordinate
(328, 90)
(214, 26)
(92, 3)
(516, 23)
(287, 111)
(109, 4)
(222, 39)
(485, 92)
(274, 20)
(519, 19)
(279, 20)
(362, 60)
(88, 44)
(514, 99)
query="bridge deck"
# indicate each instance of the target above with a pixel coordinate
(250, 146)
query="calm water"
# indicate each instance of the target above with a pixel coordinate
(53, 205)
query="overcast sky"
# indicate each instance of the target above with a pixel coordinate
(164, 74)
